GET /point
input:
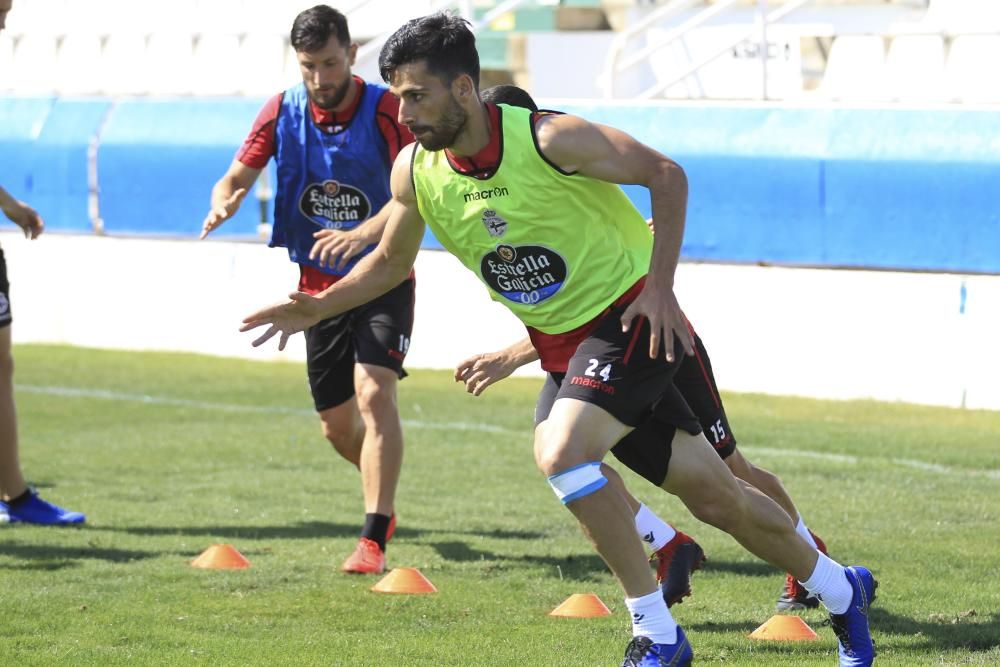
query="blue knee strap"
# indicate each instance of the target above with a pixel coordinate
(578, 481)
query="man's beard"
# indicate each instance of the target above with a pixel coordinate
(447, 130)
(332, 97)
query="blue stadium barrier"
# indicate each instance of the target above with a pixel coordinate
(59, 160)
(872, 188)
(908, 188)
(21, 122)
(159, 160)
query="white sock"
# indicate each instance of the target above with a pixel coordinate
(652, 530)
(651, 618)
(806, 535)
(829, 583)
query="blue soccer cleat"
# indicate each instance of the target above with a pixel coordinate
(37, 511)
(642, 652)
(856, 648)
(4, 517)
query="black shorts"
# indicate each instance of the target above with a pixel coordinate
(696, 382)
(612, 370)
(646, 450)
(5, 316)
(377, 333)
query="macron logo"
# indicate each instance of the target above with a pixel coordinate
(648, 537)
(476, 195)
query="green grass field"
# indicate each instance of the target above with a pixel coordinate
(170, 453)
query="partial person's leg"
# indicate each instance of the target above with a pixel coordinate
(771, 485)
(607, 388)
(330, 365)
(793, 595)
(766, 482)
(675, 555)
(18, 503)
(382, 450)
(695, 379)
(569, 446)
(344, 430)
(578, 434)
(381, 338)
(707, 487)
(12, 482)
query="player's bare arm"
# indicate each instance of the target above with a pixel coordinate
(228, 194)
(381, 270)
(487, 368)
(335, 248)
(21, 215)
(605, 153)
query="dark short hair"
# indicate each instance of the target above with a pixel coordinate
(314, 27)
(505, 93)
(444, 41)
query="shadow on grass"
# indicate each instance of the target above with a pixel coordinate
(574, 567)
(307, 530)
(48, 557)
(743, 568)
(973, 633)
(301, 530)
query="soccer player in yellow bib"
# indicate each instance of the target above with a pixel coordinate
(675, 554)
(531, 205)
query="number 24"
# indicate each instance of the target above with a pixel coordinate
(605, 372)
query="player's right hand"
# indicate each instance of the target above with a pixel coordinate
(223, 212)
(298, 314)
(482, 370)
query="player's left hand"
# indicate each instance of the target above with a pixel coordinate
(301, 312)
(659, 305)
(333, 245)
(26, 218)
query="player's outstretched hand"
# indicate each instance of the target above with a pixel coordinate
(335, 248)
(298, 314)
(482, 370)
(659, 305)
(220, 214)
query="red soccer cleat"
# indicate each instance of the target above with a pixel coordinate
(793, 596)
(392, 527)
(367, 558)
(675, 562)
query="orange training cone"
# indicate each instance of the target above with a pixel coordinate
(221, 557)
(404, 580)
(581, 605)
(785, 628)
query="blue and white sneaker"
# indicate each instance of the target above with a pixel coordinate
(4, 517)
(642, 652)
(856, 648)
(37, 511)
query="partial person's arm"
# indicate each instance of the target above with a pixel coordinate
(228, 194)
(21, 215)
(611, 155)
(482, 370)
(335, 248)
(381, 270)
